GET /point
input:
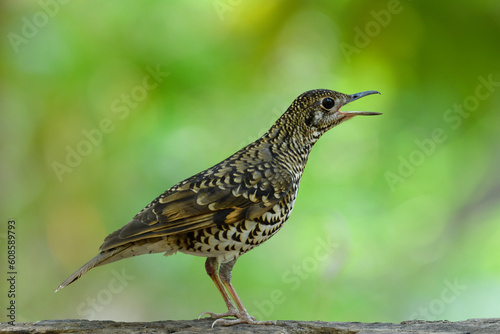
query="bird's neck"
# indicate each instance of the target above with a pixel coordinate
(288, 147)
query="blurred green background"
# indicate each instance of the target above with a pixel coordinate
(397, 216)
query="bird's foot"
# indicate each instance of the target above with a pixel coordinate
(230, 313)
(241, 318)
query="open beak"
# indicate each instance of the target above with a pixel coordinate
(356, 96)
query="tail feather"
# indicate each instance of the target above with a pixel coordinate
(145, 246)
(103, 257)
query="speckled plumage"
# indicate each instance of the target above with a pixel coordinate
(234, 206)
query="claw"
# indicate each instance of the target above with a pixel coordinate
(241, 318)
(202, 314)
(218, 315)
(250, 320)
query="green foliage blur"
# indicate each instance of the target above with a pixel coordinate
(104, 105)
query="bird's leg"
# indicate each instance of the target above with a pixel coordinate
(243, 317)
(212, 267)
(226, 273)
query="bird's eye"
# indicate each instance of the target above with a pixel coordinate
(328, 103)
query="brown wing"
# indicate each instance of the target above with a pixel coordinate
(224, 194)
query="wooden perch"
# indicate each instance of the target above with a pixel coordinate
(482, 326)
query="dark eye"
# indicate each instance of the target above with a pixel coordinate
(328, 103)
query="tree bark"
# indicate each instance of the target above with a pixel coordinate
(485, 326)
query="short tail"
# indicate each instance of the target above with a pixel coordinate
(103, 257)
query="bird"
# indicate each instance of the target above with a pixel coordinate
(234, 206)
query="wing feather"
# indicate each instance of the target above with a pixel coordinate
(201, 202)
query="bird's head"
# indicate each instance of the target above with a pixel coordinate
(315, 112)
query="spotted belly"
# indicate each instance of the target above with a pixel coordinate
(228, 242)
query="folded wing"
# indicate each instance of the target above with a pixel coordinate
(225, 195)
